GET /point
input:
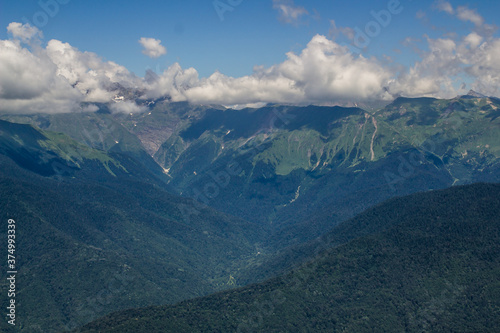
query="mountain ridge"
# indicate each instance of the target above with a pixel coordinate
(265, 187)
(287, 157)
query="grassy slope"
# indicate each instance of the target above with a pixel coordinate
(318, 158)
(99, 131)
(293, 157)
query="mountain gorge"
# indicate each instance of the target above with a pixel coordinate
(277, 159)
(120, 211)
(297, 160)
(98, 232)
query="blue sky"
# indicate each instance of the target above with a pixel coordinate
(248, 33)
(191, 30)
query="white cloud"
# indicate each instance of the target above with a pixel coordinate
(127, 107)
(484, 67)
(152, 47)
(24, 32)
(336, 31)
(55, 79)
(433, 75)
(324, 73)
(29, 84)
(448, 62)
(473, 39)
(59, 77)
(98, 80)
(19, 71)
(462, 12)
(444, 6)
(173, 82)
(289, 12)
(466, 14)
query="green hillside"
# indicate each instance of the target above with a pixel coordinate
(424, 263)
(289, 175)
(97, 233)
(285, 166)
(98, 131)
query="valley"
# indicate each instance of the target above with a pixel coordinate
(250, 166)
(427, 262)
(184, 201)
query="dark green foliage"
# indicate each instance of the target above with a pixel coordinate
(296, 172)
(428, 262)
(107, 236)
(332, 158)
(328, 156)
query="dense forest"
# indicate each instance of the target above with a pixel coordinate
(427, 262)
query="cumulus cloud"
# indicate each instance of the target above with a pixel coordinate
(444, 6)
(453, 59)
(325, 70)
(29, 84)
(433, 76)
(25, 85)
(335, 31)
(448, 62)
(98, 80)
(289, 12)
(57, 78)
(152, 47)
(473, 40)
(127, 107)
(323, 73)
(24, 32)
(483, 65)
(173, 82)
(466, 14)
(327, 73)
(61, 78)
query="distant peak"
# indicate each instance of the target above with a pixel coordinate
(474, 94)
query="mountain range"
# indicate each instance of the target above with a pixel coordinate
(120, 211)
(285, 163)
